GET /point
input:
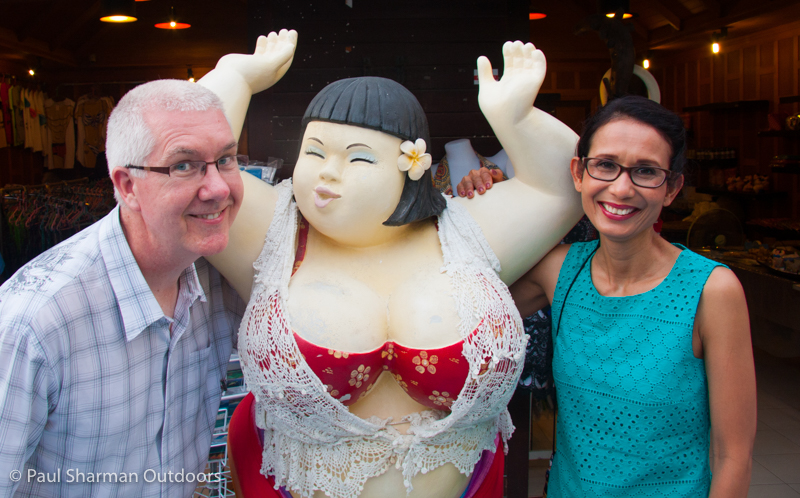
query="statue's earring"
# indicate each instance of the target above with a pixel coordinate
(414, 159)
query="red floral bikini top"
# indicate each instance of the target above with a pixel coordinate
(432, 377)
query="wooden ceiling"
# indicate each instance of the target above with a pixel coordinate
(66, 36)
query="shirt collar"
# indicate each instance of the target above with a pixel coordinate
(137, 304)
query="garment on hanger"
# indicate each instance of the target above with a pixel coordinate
(61, 128)
(38, 102)
(5, 112)
(91, 116)
(17, 115)
(33, 133)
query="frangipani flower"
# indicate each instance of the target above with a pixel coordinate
(414, 159)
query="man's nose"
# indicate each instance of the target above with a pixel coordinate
(215, 187)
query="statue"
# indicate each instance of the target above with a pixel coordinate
(381, 344)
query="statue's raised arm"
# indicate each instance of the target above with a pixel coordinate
(235, 79)
(526, 216)
(239, 76)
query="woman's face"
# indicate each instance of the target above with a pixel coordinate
(619, 209)
(346, 181)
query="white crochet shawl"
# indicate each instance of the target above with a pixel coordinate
(311, 441)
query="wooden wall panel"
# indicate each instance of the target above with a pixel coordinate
(749, 73)
(766, 83)
(565, 80)
(786, 67)
(767, 56)
(668, 97)
(718, 92)
(732, 60)
(763, 66)
(733, 90)
(680, 86)
(691, 84)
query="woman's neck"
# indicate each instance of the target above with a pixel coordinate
(624, 268)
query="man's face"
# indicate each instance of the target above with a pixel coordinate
(189, 218)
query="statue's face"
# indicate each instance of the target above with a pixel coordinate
(346, 181)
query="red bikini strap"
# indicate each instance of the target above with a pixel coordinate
(302, 240)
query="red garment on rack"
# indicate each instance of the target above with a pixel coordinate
(6, 113)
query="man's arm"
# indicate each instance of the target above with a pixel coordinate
(27, 384)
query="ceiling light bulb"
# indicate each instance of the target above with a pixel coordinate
(715, 47)
(118, 19)
(172, 24)
(646, 64)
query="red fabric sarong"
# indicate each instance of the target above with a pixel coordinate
(245, 447)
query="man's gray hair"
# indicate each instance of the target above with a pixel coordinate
(129, 139)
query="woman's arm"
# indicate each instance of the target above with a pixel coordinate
(527, 215)
(724, 329)
(534, 290)
(235, 79)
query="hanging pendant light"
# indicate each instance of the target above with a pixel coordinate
(172, 22)
(610, 8)
(118, 11)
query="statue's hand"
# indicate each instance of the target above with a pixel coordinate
(269, 62)
(511, 97)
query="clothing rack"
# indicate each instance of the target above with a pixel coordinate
(34, 218)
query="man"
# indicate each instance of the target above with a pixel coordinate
(113, 344)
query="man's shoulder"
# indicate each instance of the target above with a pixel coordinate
(42, 278)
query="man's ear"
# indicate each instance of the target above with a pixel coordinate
(673, 189)
(576, 170)
(124, 185)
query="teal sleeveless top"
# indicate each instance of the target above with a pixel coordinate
(633, 416)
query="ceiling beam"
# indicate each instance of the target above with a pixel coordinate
(710, 20)
(713, 7)
(673, 11)
(37, 18)
(35, 47)
(78, 24)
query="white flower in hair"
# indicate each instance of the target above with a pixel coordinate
(414, 159)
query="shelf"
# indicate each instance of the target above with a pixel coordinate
(779, 133)
(790, 100)
(741, 105)
(716, 163)
(769, 194)
(793, 169)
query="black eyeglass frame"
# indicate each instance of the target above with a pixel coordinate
(241, 159)
(585, 160)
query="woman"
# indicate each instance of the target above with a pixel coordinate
(651, 341)
(380, 343)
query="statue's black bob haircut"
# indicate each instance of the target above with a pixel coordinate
(384, 105)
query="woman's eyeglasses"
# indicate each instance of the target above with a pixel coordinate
(642, 176)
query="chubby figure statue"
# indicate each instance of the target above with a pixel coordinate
(380, 344)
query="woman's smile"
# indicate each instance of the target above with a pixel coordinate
(618, 212)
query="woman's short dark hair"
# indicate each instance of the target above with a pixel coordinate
(384, 105)
(668, 124)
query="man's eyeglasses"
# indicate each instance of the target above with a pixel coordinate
(642, 176)
(187, 170)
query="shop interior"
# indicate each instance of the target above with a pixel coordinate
(729, 68)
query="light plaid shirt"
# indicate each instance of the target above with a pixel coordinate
(91, 379)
